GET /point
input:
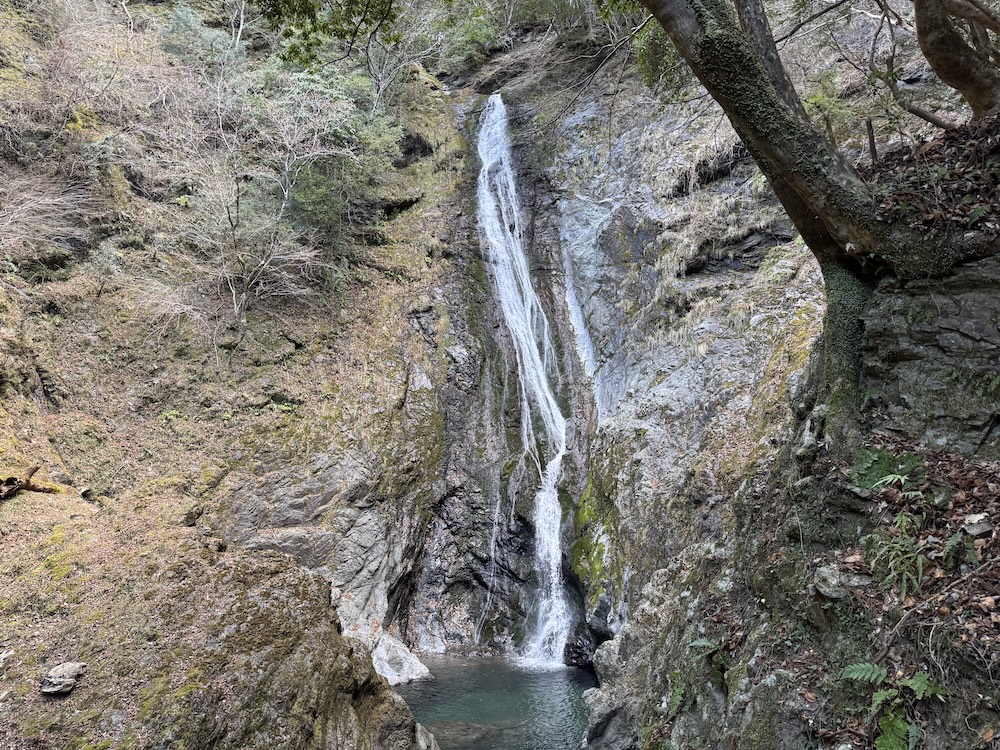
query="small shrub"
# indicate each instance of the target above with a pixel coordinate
(192, 42)
(169, 416)
(892, 702)
(872, 466)
(895, 556)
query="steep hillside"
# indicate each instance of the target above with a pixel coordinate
(242, 466)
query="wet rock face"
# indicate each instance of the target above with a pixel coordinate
(411, 517)
(477, 574)
(612, 256)
(469, 597)
(688, 317)
(395, 508)
(682, 301)
(932, 358)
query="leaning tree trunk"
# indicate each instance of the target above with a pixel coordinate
(750, 86)
(825, 198)
(957, 63)
(832, 207)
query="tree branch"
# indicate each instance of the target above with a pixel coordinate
(959, 65)
(10, 486)
(888, 77)
(753, 18)
(590, 78)
(971, 10)
(805, 22)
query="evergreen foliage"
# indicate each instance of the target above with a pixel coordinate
(865, 672)
(307, 22)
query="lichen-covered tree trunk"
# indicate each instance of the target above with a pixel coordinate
(847, 298)
(825, 198)
(755, 97)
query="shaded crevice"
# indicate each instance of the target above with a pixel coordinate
(743, 254)
(394, 208)
(412, 148)
(712, 169)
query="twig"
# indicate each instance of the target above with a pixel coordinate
(590, 78)
(817, 15)
(10, 486)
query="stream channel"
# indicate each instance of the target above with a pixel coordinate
(492, 704)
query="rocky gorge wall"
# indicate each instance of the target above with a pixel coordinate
(931, 359)
(689, 315)
(395, 500)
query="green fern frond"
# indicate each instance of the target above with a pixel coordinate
(895, 732)
(921, 685)
(900, 479)
(707, 645)
(880, 698)
(865, 672)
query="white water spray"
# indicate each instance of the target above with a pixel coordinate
(502, 241)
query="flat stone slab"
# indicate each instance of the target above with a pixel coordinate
(62, 679)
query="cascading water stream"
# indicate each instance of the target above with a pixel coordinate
(502, 241)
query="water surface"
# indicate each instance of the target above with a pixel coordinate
(491, 704)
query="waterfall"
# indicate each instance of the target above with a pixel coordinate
(502, 240)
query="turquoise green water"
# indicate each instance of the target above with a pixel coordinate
(490, 704)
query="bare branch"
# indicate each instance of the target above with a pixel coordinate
(590, 78)
(805, 22)
(972, 10)
(888, 77)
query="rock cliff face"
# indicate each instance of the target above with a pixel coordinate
(687, 316)
(708, 541)
(393, 502)
(245, 524)
(931, 359)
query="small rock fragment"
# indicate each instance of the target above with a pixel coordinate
(63, 678)
(828, 583)
(855, 580)
(425, 740)
(976, 524)
(192, 514)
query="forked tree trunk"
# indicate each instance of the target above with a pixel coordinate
(824, 197)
